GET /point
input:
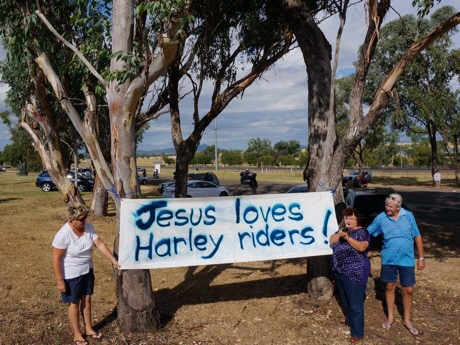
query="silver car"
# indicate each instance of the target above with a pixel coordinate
(197, 189)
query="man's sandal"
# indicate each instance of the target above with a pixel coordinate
(413, 330)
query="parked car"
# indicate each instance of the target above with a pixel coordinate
(85, 172)
(45, 182)
(204, 176)
(163, 185)
(2, 169)
(142, 179)
(301, 188)
(197, 189)
(368, 201)
(351, 176)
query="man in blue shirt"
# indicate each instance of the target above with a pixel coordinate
(399, 230)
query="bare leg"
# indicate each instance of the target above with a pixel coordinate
(85, 309)
(74, 319)
(390, 294)
(407, 304)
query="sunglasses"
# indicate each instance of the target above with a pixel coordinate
(82, 219)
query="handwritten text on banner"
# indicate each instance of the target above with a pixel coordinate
(158, 233)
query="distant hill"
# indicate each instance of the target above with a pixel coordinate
(167, 151)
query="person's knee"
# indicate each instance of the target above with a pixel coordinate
(407, 290)
(391, 287)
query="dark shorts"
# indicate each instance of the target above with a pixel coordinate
(78, 287)
(389, 274)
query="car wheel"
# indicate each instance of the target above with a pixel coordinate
(82, 188)
(144, 182)
(46, 187)
(223, 194)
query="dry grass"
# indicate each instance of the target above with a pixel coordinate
(250, 303)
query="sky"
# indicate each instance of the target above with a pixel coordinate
(274, 107)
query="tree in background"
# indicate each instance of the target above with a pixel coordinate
(21, 152)
(423, 95)
(257, 148)
(232, 157)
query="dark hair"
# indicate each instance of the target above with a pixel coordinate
(351, 211)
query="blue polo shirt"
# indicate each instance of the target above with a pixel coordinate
(398, 237)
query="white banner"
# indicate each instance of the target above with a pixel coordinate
(157, 233)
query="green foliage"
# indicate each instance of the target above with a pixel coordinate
(287, 148)
(21, 151)
(232, 157)
(168, 160)
(202, 158)
(22, 169)
(267, 160)
(424, 94)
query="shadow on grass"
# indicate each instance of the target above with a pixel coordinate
(5, 200)
(196, 289)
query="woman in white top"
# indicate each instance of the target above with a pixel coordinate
(73, 267)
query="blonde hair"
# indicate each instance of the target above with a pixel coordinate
(76, 211)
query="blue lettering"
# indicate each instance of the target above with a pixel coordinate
(139, 248)
(265, 215)
(164, 216)
(297, 216)
(178, 240)
(304, 233)
(199, 218)
(276, 236)
(237, 210)
(263, 234)
(278, 212)
(180, 217)
(200, 242)
(216, 246)
(255, 216)
(150, 208)
(211, 219)
(241, 237)
(167, 244)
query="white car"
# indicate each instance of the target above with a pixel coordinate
(197, 189)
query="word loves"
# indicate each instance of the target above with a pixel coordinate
(205, 231)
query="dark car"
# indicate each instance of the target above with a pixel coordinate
(204, 176)
(368, 201)
(301, 188)
(45, 182)
(2, 169)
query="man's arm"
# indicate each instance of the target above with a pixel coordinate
(421, 252)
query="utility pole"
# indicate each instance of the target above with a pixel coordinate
(215, 143)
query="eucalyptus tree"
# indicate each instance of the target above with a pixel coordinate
(230, 45)
(327, 156)
(424, 92)
(118, 49)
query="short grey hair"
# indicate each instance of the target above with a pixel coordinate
(76, 211)
(394, 199)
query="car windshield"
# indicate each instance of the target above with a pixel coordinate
(369, 203)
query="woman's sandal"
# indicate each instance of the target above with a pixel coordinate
(80, 342)
(95, 336)
(387, 325)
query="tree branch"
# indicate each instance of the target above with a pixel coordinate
(73, 48)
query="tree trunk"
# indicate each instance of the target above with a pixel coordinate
(100, 198)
